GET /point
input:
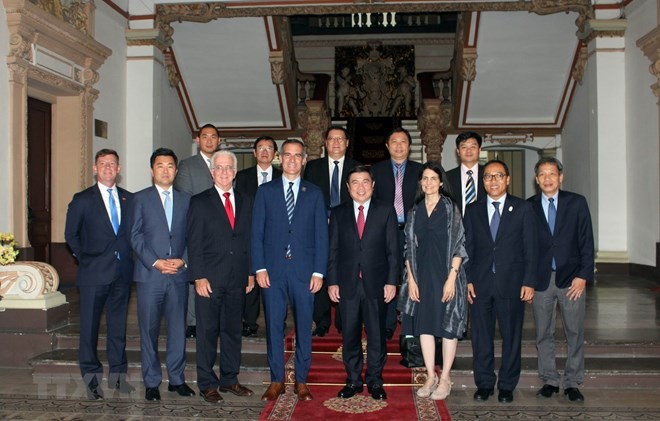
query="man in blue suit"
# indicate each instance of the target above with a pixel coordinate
(98, 235)
(289, 257)
(158, 236)
(500, 238)
(566, 264)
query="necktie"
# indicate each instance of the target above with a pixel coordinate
(495, 224)
(229, 209)
(114, 215)
(208, 162)
(264, 177)
(470, 191)
(360, 221)
(167, 203)
(398, 191)
(289, 210)
(552, 218)
(334, 186)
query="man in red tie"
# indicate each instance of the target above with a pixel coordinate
(363, 271)
(219, 223)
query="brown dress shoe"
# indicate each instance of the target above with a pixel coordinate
(274, 390)
(211, 396)
(237, 389)
(302, 391)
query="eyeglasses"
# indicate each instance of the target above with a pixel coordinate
(497, 176)
(265, 149)
(335, 139)
(227, 168)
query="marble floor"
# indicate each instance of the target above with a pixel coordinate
(620, 310)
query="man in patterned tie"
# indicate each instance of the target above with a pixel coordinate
(466, 179)
(247, 181)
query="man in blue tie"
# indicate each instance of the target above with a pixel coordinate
(158, 236)
(500, 238)
(330, 175)
(97, 232)
(566, 264)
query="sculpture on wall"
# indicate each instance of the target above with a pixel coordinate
(375, 81)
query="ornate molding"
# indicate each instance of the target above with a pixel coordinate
(73, 12)
(276, 60)
(469, 64)
(170, 65)
(385, 41)
(583, 8)
(26, 280)
(580, 64)
(508, 138)
(315, 119)
(650, 46)
(433, 119)
(602, 28)
(160, 38)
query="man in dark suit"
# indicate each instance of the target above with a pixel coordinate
(565, 265)
(289, 257)
(247, 181)
(363, 270)
(396, 183)
(466, 180)
(97, 232)
(193, 177)
(330, 174)
(501, 241)
(158, 237)
(219, 252)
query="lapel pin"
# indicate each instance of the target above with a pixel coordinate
(510, 208)
(304, 188)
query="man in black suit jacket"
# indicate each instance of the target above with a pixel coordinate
(330, 174)
(463, 190)
(97, 232)
(500, 238)
(363, 271)
(398, 191)
(565, 265)
(219, 221)
(193, 177)
(246, 182)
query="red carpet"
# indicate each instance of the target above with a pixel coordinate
(327, 376)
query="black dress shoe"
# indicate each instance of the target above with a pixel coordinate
(123, 386)
(505, 396)
(389, 333)
(191, 332)
(547, 391)
(377, 392)
(94, 393)
(320, 331)
(249, 331)
(573, 394)
(349, 391)
(152, 394)
(182, 389)
(482, 394)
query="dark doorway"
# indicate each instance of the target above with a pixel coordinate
(38, 168)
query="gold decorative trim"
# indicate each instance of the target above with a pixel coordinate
(150, 37)
(580, 64)
(508, 138)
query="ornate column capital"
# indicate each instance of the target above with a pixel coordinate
(315, 120)
(156, 37)
(602, 28)
(469, 64)
(29, 285)
(276, 60)
(650, 46)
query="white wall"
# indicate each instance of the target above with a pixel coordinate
(175, 133)
(109, 106)
(642, 138)
(5, 175)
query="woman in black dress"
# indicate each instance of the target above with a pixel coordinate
(435, 285)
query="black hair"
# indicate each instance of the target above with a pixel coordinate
(468, 135)
(163, 152)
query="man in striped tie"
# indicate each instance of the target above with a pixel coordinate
(466, 179)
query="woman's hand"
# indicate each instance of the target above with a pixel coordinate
(413, 290)
(449, 290)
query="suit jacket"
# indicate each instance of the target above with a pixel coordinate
(215, 251)
(316, 171)
(457, 187)
(307, 234)
(194, 175)
(89, 234)
(376, 255)
(572, 245)
(384, 178)
(514, 250)
(152, 239)
(246, 180)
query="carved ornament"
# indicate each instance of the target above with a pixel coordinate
(314, 121)
(580, 64)
(28, 280)
(508, 138)
(276, 60)
(73, 12)
(172, 74)
(603, 28)
(650, 45)
(433, 120)
(150, 37)
(469, 64)
(583, 8)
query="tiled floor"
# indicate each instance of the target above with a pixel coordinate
(620, 310)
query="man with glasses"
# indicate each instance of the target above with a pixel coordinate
(194, 177)
(330, 175)
(219, 222)
(247, 181)
(500, 238)
(289, 258)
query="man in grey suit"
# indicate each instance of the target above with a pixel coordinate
(158, 237)
(194, 177)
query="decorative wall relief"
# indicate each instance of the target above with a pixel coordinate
(375, 81)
